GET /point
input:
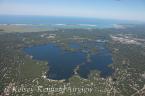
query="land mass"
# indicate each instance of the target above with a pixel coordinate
(21, 75)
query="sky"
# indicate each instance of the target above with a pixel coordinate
(104, 9)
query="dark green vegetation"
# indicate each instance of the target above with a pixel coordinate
(20, 75)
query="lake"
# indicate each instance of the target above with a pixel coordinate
(61, 63)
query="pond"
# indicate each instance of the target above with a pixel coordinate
(61, 63)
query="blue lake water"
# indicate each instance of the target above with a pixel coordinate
(99, 61)
(61, 64)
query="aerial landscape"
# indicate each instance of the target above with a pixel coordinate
(72, 48)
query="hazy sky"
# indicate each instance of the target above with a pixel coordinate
(112, 9)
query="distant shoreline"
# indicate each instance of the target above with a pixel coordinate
(53, 27)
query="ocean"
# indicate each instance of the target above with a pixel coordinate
(47, 20)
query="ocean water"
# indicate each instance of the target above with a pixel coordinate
(100, 23)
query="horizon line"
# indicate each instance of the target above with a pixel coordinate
(83, 17)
